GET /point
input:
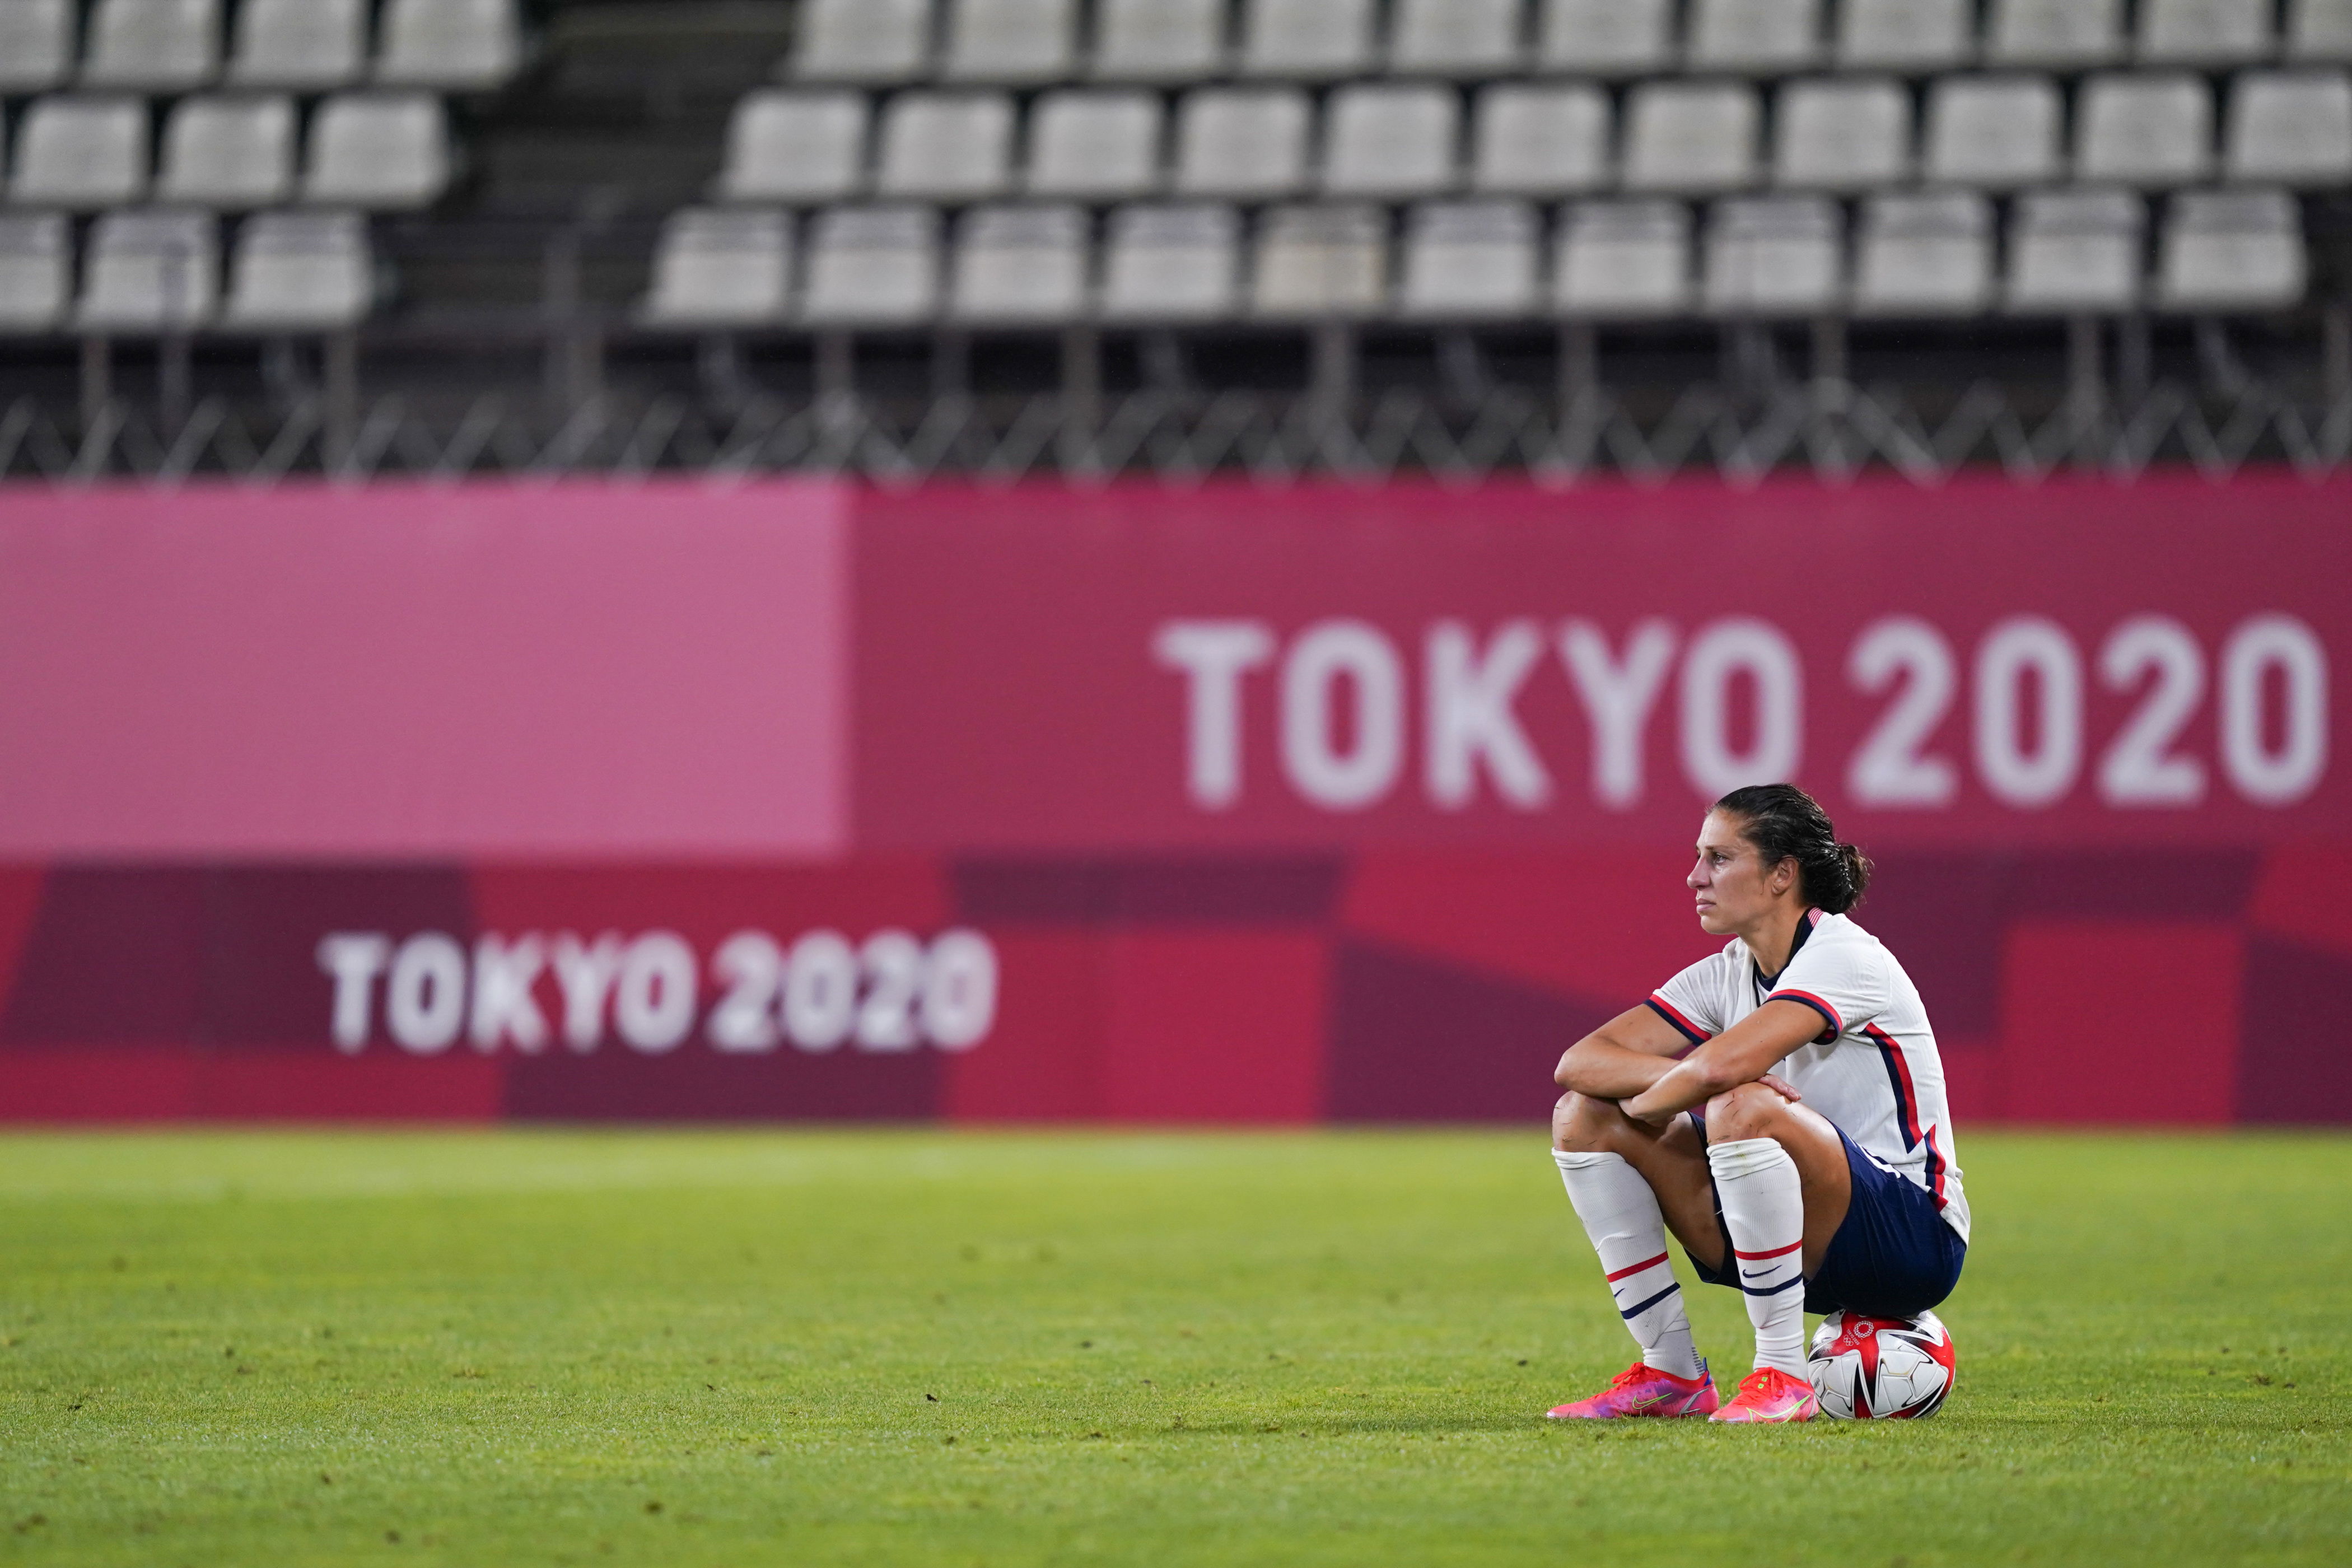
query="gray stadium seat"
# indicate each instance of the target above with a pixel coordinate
(2319, 30)
(1012, 42)
(228, 152)
(721, 268)
(81, 153)
(1158, 40)
(2151, 129)
(1774, 256)
(1017, 265)
(1465, 260)
(1241, 142)
(1690, 136)
(313, 46)
(36, 271)
(2055, 34)
(1760, 37)
(1540, 140)
(2291, 127)
(1095, 144)
(1996, 132)
(2205, 32)
(1607, 38)
(2231, 250)
(1306, 41)
(153, 46)
(300, 272)
(37, 44)
(149, 271)
(1455, 37)
(1321, 262)
(1392, 140)
(1172, 264)
(946, 146)
(1907, 35)
(875, 42)
(873, 267)
(796, 146)
(1622, 260)
(1925, 255)
(450, 45)
(1842, 133)
(2077, 253)
(384, 152)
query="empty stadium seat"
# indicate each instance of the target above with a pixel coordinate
(300, 272)
(789, 146)
(1099, 145)
(1471, 260)
(1539, 139)
(36, 271)
(2076, 252)
(81, 153)
(1158, 40)
(1393, 140)
(451, 45)
(1607, 38)
(1455, 37)
(2231, 250)
(1622, 260)
(149, 271)
(1172, 264)
(2319, 30)
(313, 46)
(875, 42)
(1690, 136)
(153, 46)
(717, 268)
(1996, 132)
(1842, 133)
(1774, 256)
(2291, 127)
(1012, 41)
(1021, 265)
(2058, 33)
(2204, 32)
(2152, 129)
(1755, 36)
(1905, 35)
(1925, 255)
(228, 152)
(385, 151)
(873, 267)
(37, 44)
(1307, 39)
(1321, 262)
(946, 146)
(1241, 142)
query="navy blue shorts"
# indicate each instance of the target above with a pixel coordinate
(1893, 1257)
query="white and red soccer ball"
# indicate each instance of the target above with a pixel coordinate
(1882, 1369)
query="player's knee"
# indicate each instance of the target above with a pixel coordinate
(1751, 1111)
(1579, 1125)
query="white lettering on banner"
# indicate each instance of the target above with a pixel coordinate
(2036, 775)
(2141, 768)
(1214, 655)
(355, 959)
(585, 972)
(1889, 770)
(1471, 717)
(424, 1001)
(2261, 645)
(1619, 696)
(504, 974)
(1323, 656)
(752, 966)
(1769, 660)
(821, 991)
(653, 1001)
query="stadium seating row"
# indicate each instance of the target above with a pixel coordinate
(1996, 132)
(317, 45)
(1922, 256)
(878, 42)
(150, 271)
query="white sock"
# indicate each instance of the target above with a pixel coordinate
(1621, 1216)
(1764, 1209)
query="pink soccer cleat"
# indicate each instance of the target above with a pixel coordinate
(1767, 1394)
(1641, 1390)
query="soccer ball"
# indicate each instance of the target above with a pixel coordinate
(1882, 1369)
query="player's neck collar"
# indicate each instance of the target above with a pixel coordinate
(1805, 924)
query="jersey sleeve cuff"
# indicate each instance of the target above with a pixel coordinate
(1807, 999)
(1688, 1030)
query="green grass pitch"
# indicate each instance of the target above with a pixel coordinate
(796, 1347)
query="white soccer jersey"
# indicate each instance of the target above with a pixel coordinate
(1872, 1069)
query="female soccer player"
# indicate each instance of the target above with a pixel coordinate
(1779, 1106)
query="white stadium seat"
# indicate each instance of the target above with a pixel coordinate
(1842, 133)
(2055, 34)
(1925, 255)
(1241, 142)
(1321, 262)
(946, 146)
(2319, 30)
(1172, 264)
(2151, 129)
(1907, 35)
(1021, 265)
(37, 44)
(1607, 38)
(1306, 41)
(310, 271)
(313, 46)
(873, 267)
(1690, 136)
(1998, 133)
(875, 42)
(719, 267)
(2292, 128)
(1540, 139)
(793, 145)
(2077, 253)
(1158, 40)
(36, 271)
(153, 46)
(1774, 256)
(149, 271)
(1455, 37)
(385, 151)
(81, 153)
(1622, 260)
(1097, 144)
(228, 152)
(2234, 250)
(449, 46)
(1392, 140)
(1471, 260)
(2205, 32)
(1761, 37)
(1012, 42)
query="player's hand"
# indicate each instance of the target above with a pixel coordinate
(1781, 1086)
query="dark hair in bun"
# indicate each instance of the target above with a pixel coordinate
(1784, 823)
